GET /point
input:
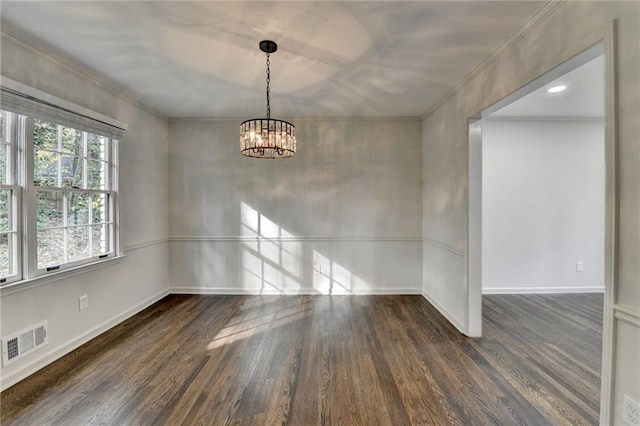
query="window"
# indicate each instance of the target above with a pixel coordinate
(58, 188)
(9, 204)
(71, 178)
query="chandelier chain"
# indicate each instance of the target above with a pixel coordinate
(267, 137)
(268, 89)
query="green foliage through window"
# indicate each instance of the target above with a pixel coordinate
(62, 155)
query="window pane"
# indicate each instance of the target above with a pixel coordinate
(50, 248)
(97, 147)
(3, 125)
(45, 135)
(4, 158)
(78, 244)
(72, 171)
(97, 175)
(5, 259)
(78, 208)
(5, 205)
(45, 167)
(101, 239)
(49, 209)
(100, 213)
(72, 141)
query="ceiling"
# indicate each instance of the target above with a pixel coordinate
(201, 59)
(583, 97)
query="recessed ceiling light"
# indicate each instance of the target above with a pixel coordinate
(557, 89)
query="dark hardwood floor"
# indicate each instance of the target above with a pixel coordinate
(307, 360)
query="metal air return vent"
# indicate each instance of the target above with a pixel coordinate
(24, 342)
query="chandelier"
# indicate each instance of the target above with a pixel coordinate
(267, 137)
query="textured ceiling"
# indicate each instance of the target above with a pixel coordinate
(201, 59)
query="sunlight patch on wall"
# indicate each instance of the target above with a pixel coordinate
(330, 277)
(273, 261)
(270, 254)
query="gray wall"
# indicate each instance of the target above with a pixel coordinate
(342, 216)
(143, 274)
(542, 205)
(542, 46)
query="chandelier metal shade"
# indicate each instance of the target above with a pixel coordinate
(267, 137)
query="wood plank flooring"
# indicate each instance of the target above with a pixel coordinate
(334, 360)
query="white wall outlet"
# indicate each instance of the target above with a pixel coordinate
(631, 412)
(83, 302)
(579, 266)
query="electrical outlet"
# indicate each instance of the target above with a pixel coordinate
(83, 302)
(579, 266)
(631, 412)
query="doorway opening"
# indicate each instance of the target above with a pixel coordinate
(539, 205)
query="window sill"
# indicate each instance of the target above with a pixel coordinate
(30, 283)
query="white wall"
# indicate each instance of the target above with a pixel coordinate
(543, 44)
(124, 286)
(349, 202)
(542, 205)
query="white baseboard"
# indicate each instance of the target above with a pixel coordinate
(445, 313)
(60, 351)
(541, 290)
(301, 291)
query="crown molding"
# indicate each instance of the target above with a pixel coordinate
(75, 70)
(529, 25)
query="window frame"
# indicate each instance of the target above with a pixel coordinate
(24, 191)
(14, 209)
(32, 191)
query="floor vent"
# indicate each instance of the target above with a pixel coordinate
(24, 342)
